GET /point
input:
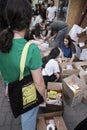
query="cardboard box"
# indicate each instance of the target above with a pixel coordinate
(58, 119)
(84, 99)
(55, 86)
(73, 88)
(84, 78)
(82, 67)
(68, 69)
(82, 37)
(60, 60)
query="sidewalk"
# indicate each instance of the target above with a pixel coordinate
(72, 116)
(7, 121)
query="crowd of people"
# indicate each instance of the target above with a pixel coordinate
(24, 23)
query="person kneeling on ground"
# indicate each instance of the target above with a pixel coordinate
(50, 67)
(68, 49)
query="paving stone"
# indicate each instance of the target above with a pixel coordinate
(16, 127)
(16, 121)
(8, 119)
(5, 128)
(2, 118)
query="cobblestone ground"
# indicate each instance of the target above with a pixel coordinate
(72, 116)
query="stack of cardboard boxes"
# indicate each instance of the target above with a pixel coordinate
(73, 88)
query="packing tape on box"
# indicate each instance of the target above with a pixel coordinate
(75, 92)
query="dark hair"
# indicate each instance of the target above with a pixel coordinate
(70, 41)
(70, 44)
(52, 55)
(18, 16)
(37, 30)
(3, 22)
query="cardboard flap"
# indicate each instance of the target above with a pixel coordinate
(54, 86)
(41, 124)
(75, 79)
(60, 124)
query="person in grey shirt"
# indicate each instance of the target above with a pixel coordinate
(62, 28)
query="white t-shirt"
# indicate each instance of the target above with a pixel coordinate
(38, 19)
(51, 12)
(50, 68)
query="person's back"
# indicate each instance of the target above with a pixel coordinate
(58, 25)
(12, 42)
(50, 70)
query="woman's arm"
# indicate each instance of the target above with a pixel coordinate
(35, 38)
(52, 37)
(62, 54)
(42, 37)
(73, 58)
(38, 81)
(57, 76)
(48, 35)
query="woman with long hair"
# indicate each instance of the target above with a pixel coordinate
(68, 49)
(50, 67)
(12, 42)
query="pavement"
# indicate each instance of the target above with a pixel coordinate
(7, 121)
(72, 116)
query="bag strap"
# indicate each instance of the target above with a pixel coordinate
(23, 59)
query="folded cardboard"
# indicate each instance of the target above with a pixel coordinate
(73, 32)
(58, 120)
(84, 78)
(60, 59)
(73, 88)
(84, 99)
(55, 107)
(83, 55)
(68, 69)
(82, 66)
(82, 37)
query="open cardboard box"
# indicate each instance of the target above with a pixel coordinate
(60, 59)
(58, 119)
(53, 107)
(81, 66)
(73, 95)
(68, 69)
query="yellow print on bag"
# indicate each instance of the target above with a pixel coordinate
(29, 94)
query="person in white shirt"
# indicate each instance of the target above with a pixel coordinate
(51, 12)
(50, 67)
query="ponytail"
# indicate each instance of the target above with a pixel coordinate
(6, 37)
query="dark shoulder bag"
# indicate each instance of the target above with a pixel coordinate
(22, 93)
